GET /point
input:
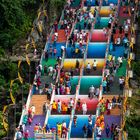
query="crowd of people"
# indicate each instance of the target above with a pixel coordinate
(62, 107)
(91, 66)
(107, 105)
(21, 132)
(120, 37)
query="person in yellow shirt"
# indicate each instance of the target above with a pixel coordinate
(102, 117)
(54, 106)
(65, 108)
(59, 129)
(98, 121)
(62, 107)
(102, 125)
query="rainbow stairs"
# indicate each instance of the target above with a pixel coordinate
(95, 49)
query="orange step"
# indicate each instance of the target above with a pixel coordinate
(38, 102)
(61, 36)
(109, 97)
(114, 111)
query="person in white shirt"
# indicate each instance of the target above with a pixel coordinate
(64, 125)
(121, 83)
(120, 61)
(94, 65)
(71, 102)
(88, 68)
(126, 28)
(40, 67)
(62, 50)
(33, 110)
(99, 133)
(35, 52)
(128, 22)
(84, 108)
(97, 92)
(56, 34)
(90, 120)
(91, 92)
(81, 36)
(91, 15)
(18, 135)
(59, 106)
(111, 6)
(50, 70)
(118, 42)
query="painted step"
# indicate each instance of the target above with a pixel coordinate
(38, 102)
(61, 36)
(109, 119)
(109, 97)
(115, 112)
(36, 120)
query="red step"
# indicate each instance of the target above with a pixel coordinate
(61, 36)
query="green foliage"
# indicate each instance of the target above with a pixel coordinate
(136, 68)
(58, 3)
(2, 131)
(56, 6)
(132, 127)
(8, 70)
(133, 133)
(15, 20)
(133, 120)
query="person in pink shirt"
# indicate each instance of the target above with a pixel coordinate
(26, 135)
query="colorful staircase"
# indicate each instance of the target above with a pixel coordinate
(95, 48)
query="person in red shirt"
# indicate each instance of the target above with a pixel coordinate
(26, 135)
(30, 120)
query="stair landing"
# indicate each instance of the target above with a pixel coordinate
(38, 102)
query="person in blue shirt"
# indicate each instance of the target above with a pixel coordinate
(47, 128)
(107, 130)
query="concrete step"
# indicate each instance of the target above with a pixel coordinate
(38, 102)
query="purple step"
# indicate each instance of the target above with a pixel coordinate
(109, 119)
(36, 120)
